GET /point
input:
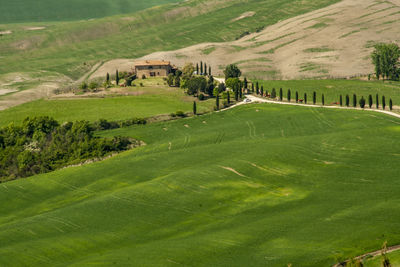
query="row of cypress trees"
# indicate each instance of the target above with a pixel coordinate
(201, 69)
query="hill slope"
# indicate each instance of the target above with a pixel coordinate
(298, 186)
(18, 11)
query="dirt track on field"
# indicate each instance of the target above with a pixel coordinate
(335, 41)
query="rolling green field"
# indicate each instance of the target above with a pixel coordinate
(72, 48)
(149, 102)
(394, 258)
(257, 185)
(48, 10)
(332, 89)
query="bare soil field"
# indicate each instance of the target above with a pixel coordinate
(335, 41)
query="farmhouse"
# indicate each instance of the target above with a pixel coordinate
(151, 68)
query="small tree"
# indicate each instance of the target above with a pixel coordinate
(323, 99)
(383, 102)
(257, 89)
(289, 95)
(341, 100)
(280, 94)
(221, 88)
(370, 101)
(297, 97)
(252, 87)
(305, 98)
(201, 68)
(194, 108)
(116, 77)
(209, 70)
(354, 100)
(170, 79)
(262, 90)
(314, 97)
(197, 68)
(390, 104)
(347, 101)
(240, 92)
(236, 89)
(362, 102)
(232, 71)
(273, 93)
(245, 83)
(205, 69)
(228, 97)
(108, 78)
(377, 101)
(217, 102)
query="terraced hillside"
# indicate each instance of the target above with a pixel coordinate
(17, 11)
(259, 185)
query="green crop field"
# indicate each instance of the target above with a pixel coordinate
(48, 10)
(149, 102)
(72, 48)
(332, 89)
(257, 185)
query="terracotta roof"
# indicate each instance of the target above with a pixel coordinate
(152, 63)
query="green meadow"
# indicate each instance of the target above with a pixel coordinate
(48, 10)
(257, 185)
(149, 102)
(394, 258)
(72, 48)
(332, 89)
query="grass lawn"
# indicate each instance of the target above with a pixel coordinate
(394, 258)
(332, 89)
(257, 185)
(151, 101)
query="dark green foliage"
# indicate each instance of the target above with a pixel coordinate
(314, 97)
(180, 113)
(370, 101)
(196, 84)
(240, 93)
(170, 79)
(210, 86)
(116, 77)
(201, 68)
(228, 97)
(245, 83)
(354, 100)
(209, 70)
(262, 90)
(289, 95)
(257, 89)
(108, 77)
(197, 68)
(201, 97)
(273, 93)
(236, 90)
(323, 99)
(347, 101)
(377, 101)
(83, 86)
(232, 71)
(194, 108)
(362, 102)
(205, 69)
(252, 87)
(280, 94)
(391, 104)
(221, 88)
(383, 102)
(297, 97)
(217, 102)
(232, 82)
(305, 98)
(341, 100)
(130, 79)
(41, 145)
(385, 57)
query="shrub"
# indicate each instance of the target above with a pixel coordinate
(180, 113)
(143, 76)
(93, 85)
(201, 97)
(83, 86)
(273, 93)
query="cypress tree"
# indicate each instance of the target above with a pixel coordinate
(194, 108)
(297, 97)
(273, 93)
(280, 94)
(354, 100)
(314, 97)
(209, 70)
(289, 95)
(341, 100)
(228, 97)
(390, 104)
(262, 90)
(116, 77)
(323, 99)
(370, 101)
(245, 83)
(377, 101)
(108, 77)
(257, 89)
(205, 69)
(383, 102)
(362, 102)
(236, 93)
(347, 101)
(217, 102)
(197, 68)
(201, 67)
(305, 98)
(252, 87)
(240, 93)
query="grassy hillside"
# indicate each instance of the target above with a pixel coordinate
(72, 48)
(394, 258)
(61, 10)
(149, 101)
(298, 186)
